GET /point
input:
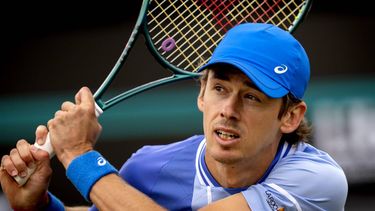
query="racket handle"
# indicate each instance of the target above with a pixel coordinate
(47, 146)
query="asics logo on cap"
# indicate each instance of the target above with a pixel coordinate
(281, 69)
(101, 161)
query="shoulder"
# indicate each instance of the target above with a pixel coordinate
(165, 152)
(309, 177)
(306, 162)
(313, 176)
(147, 162)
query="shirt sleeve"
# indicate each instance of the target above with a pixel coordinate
(93, 208)
(300, 184)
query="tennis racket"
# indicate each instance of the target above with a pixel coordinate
(182, 34)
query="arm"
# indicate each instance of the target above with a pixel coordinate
(234, 202)
(76, 208)
(74, 131)
(112, 193)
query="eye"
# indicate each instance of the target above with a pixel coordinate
(218, 88)
(252, 97)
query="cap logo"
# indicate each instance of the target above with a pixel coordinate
(101, 161)
(281, 69)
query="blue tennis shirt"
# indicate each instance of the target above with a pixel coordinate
(175, 176)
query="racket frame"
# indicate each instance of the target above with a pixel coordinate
(142, 27)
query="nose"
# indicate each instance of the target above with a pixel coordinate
(231, 108)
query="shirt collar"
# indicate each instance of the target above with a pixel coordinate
(205, 177)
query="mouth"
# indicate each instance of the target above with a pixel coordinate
(225, 135)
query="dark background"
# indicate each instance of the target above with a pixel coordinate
(61, 46)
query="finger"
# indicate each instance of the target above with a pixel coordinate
(43, 164)
(7, 164)
(39, 155)
(6, 179)
(59, 113)
(50, 124)
(17, 161)
(85, 97)
(67, 106)
(41, 134)
(24, 151)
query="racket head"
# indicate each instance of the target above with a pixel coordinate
(182, 35)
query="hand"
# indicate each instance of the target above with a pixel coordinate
(33, 195)
(75, 128)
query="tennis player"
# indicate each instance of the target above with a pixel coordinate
(253, 154)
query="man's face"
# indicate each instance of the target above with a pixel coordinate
(240, 122)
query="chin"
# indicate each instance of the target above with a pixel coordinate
(225, 156)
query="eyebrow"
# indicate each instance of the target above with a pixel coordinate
(224, 75)
(252, 85)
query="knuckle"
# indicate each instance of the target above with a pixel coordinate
(49, 171)
(13, 152)
(80, 111)
(21, 143)
(15, 161)
(4, 159)
(7, 163)
(57, 113)
(50, 123)
(65, 103)
(26, 155)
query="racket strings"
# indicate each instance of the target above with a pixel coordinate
(160, 24)
(219, 32)
(211, 32)
(196, 34)
(219, 9)
(178, 30)
(185, 33)
(194, 25)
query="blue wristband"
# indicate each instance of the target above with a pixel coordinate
(85, 170)
(54, 203)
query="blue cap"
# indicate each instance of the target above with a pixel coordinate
(271, 57)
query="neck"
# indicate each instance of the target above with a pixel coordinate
(242, 173)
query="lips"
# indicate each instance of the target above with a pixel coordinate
(225, 135)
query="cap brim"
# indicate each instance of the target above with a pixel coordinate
(266, 84)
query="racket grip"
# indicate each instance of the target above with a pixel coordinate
(47, 146)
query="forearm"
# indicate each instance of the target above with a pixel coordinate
(76, 208)
(112, 193)
(53, 203)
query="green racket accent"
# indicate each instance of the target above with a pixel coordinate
(182, 34)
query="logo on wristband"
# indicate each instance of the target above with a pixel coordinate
(101, 161)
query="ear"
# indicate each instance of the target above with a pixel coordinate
(200, 100)
(292, 119)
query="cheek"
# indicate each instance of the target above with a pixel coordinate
(207, 119)
(210, 116)
(262, 126)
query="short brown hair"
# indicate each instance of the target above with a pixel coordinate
(304, 130)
